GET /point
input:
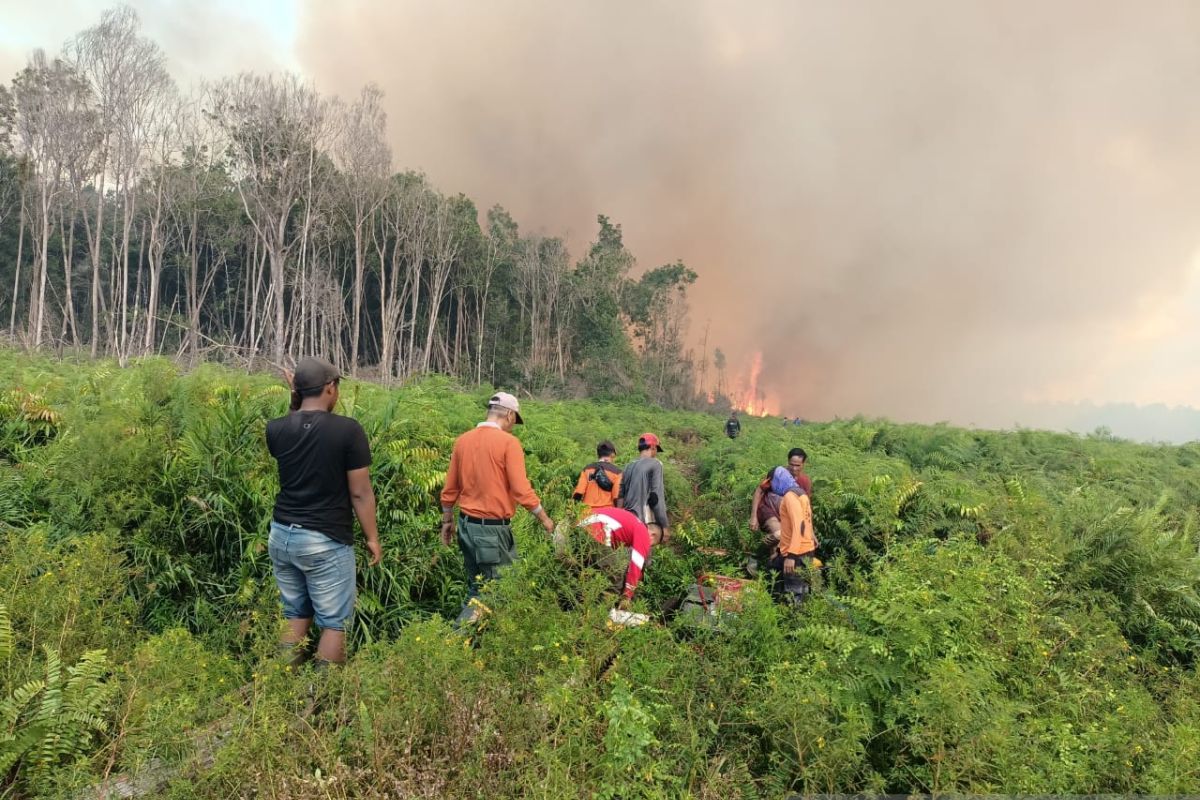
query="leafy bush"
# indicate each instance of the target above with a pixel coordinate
(52, 720)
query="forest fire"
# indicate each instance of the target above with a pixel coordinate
(751, 400)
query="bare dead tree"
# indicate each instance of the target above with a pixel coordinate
(397, 241)
(52, 105)
(275, 126)
(164, 127)
(499, 246)
(193, 189)
(364, 158)
(541, 267)
(127, 73)
(445, 244)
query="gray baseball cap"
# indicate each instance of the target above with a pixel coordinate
(312, 373)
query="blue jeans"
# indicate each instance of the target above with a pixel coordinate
(315, 575)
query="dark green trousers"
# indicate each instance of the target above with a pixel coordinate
(486, 549)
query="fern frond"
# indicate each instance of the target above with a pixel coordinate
(6, 634)
(13, 706)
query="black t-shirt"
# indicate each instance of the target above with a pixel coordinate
(315, 450)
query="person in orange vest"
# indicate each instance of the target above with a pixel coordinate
(797, 540)
(599, 483)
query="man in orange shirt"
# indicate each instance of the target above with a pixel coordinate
(486, 480)
(600, 482)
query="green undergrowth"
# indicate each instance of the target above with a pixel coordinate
(1007, 612)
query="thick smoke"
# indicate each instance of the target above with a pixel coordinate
(924, 209)
(928, 210)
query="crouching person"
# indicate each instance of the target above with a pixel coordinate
(795, 553)
(615, 528)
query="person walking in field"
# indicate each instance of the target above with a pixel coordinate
(642, 492)
(614, 528)
(599, 483)
(324, 482)
(732, 426)
(486, 480)
(797, 539)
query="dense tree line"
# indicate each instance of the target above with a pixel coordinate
(255, 218)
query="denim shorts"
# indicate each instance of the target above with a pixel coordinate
(315, 575)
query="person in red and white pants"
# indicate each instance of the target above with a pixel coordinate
(616, 527)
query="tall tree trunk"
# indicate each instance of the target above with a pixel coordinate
(385, 326)
(96, 250)
(193, 303)
(39, 309)
(137, 290)
(16, 296)
(156, 259)
(126, 237)
(67, 240)
(357, 290)
(277, 281)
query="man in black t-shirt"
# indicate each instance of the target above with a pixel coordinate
(324, 482)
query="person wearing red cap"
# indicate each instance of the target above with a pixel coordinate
(642, 491)
(614, 527)
(486, 479)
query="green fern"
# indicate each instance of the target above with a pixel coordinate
(6, 634)
(47, 722)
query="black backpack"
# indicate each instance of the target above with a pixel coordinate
(600, 476)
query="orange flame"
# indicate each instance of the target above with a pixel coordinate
(751, 399)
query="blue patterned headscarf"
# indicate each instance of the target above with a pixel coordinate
(782, 481)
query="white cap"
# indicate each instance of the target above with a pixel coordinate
(508, 402)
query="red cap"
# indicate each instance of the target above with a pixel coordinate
(650, 439)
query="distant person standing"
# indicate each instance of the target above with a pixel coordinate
(324, 482)
(486, 480)
(642, 490)
(732, 426)
(599, 483)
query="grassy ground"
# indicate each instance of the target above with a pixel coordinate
(1003, 612)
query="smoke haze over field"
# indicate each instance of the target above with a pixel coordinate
(925, 210)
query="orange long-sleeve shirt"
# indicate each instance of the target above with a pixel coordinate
(796, 534)
(487, 476)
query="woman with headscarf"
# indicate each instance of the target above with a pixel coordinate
(797, 540)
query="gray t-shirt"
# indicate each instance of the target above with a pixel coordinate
(642, 482)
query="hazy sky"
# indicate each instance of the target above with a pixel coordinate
(927, 210)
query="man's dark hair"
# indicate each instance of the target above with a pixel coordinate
(605, 448)
(643, 446)
(797, 451)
